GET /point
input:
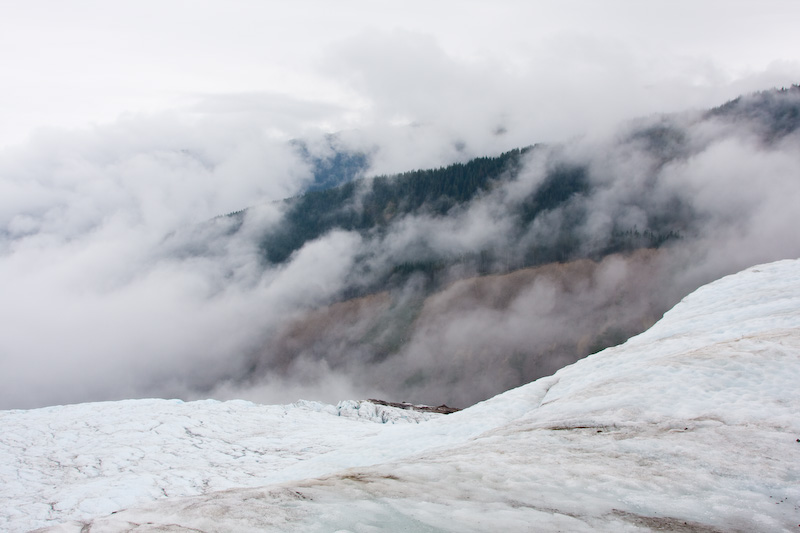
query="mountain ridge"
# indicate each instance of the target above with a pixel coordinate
(416, 234)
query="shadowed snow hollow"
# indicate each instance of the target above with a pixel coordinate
(691, 426)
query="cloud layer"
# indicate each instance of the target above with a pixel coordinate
(115, 284)
(723, 181)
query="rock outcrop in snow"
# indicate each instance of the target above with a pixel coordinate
(691, 426)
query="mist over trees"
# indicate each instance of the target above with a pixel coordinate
(614, 229)
(444, 285)
(371, 207)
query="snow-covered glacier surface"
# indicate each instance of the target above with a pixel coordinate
(692, 426)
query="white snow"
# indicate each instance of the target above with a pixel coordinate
(80, 461)
(691, 426)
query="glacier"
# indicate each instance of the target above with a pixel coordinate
(691, 426)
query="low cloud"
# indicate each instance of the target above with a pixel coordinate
(724, 187)
(118, 281)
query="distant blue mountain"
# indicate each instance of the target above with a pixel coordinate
(338, 167)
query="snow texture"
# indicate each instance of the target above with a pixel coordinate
(690, 426)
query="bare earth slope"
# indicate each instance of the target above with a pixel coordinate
(489, 333)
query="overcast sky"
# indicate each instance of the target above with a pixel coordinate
(567, 65)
